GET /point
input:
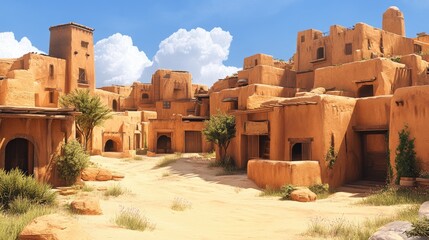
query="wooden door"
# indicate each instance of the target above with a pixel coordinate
(193, 142)
(374, 157)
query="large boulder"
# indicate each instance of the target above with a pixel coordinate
(86, 206)
(303, 195)
(394, 231)
(104, 175)
(424, 210)
(89, 174)
(97, 174)
(53, 227)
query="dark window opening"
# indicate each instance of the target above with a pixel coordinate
(320, 53)
(115, 105)
(417, 49)
(82, 76)
(84, 44)
(264, 147)
(369, 44)
(51, 71)
(303, 38)
(348, 49)
(110, 146)
(166, 105)
(297, 152)
(256, 62)
(145, 96)
(300, 151)
(366, 91)
(51, 96)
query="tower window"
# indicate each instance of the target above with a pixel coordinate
(51, 96)
(145, 96)
(82, 76)
(166, 105)
(302, 38)
(51, 71)
(84, 44)
(320, 53)
(348, 49)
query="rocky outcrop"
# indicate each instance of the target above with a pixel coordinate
(303, 195)
(86, 206)
(53, 227)
(100, 174)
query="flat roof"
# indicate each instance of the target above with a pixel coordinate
(37, 110)
(83, 27)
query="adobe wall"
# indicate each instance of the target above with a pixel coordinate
(176, 128)
(221, 84)
(184, 108)
(257, 59)
(46, 135)
(172, 85)
(269, 75)
(18, 89)
(418, 68)
(380, 72)
(372, 112)
(410, 106)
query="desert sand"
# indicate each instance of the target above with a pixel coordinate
(221, 207)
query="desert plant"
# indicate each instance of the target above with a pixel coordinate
(114, 190)
(72, 161)
(271, 192)
(87, 188)
(319, 188)
(19, 205)
(286, 191)
(15, 184)
(420, 228)
(180, 204)
(395, 196)
(331, 155)
(167, 160)
(220, 130)
(130, 218)
(94, 112)
(405, 160)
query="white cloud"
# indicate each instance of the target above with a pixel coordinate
(12, 48)
(118, 61)
(198, 51)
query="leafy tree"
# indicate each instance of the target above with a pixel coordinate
(94, 112)
(72, 161)
(405, 160)
(220, 129)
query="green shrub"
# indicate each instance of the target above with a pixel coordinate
(286, 191)
(405, 160)
(114, 190)
(420, 228)
(130, 218)
(395, 196)
(15, 184)
(319, 188)
(72, 161)
(19, 205)
(271, 192)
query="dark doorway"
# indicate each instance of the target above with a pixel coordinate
(374, 150)
(163, 144)
(20, 154)
(264, 147)
(115, 105)
(297, 152)
(366, 91)
(301, 151)
(193, 142)
(110, 146)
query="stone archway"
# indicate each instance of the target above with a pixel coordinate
(110, 146)
(19, 154)
(163, 144)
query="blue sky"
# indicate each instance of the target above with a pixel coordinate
(255, 26)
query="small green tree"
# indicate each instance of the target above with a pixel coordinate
(405, 160)
(72, 161)
(94, 112)
(220, 129)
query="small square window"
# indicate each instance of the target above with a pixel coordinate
(302, 38)
(84, 44)
(166, 105)
(348, 49)
(320, 53)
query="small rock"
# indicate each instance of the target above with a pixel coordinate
(424, 210)
(86, 206)
(53, 227)
(303, 195)
(392, 231)
(103, 175)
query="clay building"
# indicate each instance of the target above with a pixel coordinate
(32, 126)
(337, 94)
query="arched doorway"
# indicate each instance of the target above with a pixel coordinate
(20, 154)
(115, 105)
(163, 144)
(366, 91)
(110, 146)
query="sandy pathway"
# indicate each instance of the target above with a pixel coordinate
(222, 207)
